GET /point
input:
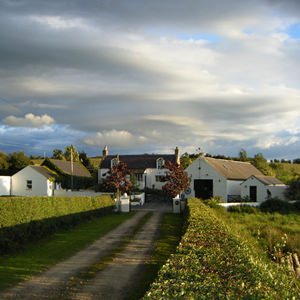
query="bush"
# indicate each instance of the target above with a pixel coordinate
(213, 202)
(212, 263)
(25, 219)
(276, 205)
(297, 205)
(247, 209)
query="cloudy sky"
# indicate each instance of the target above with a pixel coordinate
(147, 76)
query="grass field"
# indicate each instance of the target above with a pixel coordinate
(40, 255)
(269, 233)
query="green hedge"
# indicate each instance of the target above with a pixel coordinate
(212, 263)
(26, 219)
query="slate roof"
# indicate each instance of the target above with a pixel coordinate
(65, 167)
(43, 171)
(138, 161)
(269, 180)
(234, 170)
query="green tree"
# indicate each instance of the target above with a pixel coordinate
(58, 154)
(177, 180)
(18, 161)
(243, 155)
(4, 164)
(261, 164)
(71, 149)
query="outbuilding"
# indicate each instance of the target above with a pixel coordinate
(5, 185)
(260, 188)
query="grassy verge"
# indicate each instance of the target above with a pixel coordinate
(39, 256)
(169, 237)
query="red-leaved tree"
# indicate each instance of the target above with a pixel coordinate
(118, 179)
(177, 179)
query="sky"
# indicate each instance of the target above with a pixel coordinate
(146, 76)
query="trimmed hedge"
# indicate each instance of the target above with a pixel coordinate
(26, 219)
(212, 263)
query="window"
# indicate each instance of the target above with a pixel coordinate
(160, 178)
(29, 184)
(139, 176)
(160, 163)
(114, 162)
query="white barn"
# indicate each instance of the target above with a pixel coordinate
(5, 185)
(212, 177)
(260, 188)
(33, 181)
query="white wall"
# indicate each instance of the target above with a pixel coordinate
(151, 178)
(234, 187)
(41, 186)
(276, 190)
(5, 185)
(200, 169)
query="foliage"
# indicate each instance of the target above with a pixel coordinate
(71, 152)
(4, 164)
(213, 202)
(293, 190)
(243, 155)
(243, 209)
(18, 161)
(58, 154)
(261, 164)
(213, 263)
(177, 180)
(24, 219)
(118, 179)
(276, 205)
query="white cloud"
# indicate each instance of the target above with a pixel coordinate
(115, 138)
(29, 120)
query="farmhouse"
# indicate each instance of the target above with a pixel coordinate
(33, 181)
(260, 188)
(148, 169)
(219, 177)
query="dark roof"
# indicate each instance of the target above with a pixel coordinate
(139, 161)
(44, 171)
(235, 170)
(269, 180)
(65, 167)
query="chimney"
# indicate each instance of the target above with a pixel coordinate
(105, 152)
(177, 158)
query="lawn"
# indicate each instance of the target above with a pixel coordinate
(41, 255)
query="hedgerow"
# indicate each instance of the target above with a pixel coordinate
(24, 219)
(213, 263)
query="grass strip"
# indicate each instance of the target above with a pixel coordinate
(40, 255)
(169, 237)
(74, 284)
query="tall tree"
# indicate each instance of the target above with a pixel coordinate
(4, 164)
(177, 180)
(71, 149)
(18, 161)
(243, 155)
(261, 164)
(58, 154)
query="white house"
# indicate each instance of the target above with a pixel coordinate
(33, 181)
(212, 177)
(5, 185)
(148, 169)
(260, 188)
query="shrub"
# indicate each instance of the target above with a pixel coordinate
(243, 209)
(297, 205)
(276, 205)
(213, 202)
(24, 219)
(212, 263)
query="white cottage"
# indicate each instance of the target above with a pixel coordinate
(33, 181)
(260, 188)
(5, 185)
(212, 177)
(147, 168)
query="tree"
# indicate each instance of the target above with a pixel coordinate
(293, 190)
(58, 154)
(177, 180)
(118, 180)
(243, 155)
(71, 149)
(4, 164)
(261, 164)
(18, 161)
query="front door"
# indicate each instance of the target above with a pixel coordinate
(253, 193)
(203, 188)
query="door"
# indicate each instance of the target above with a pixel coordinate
(253, 193)
(203, 188)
